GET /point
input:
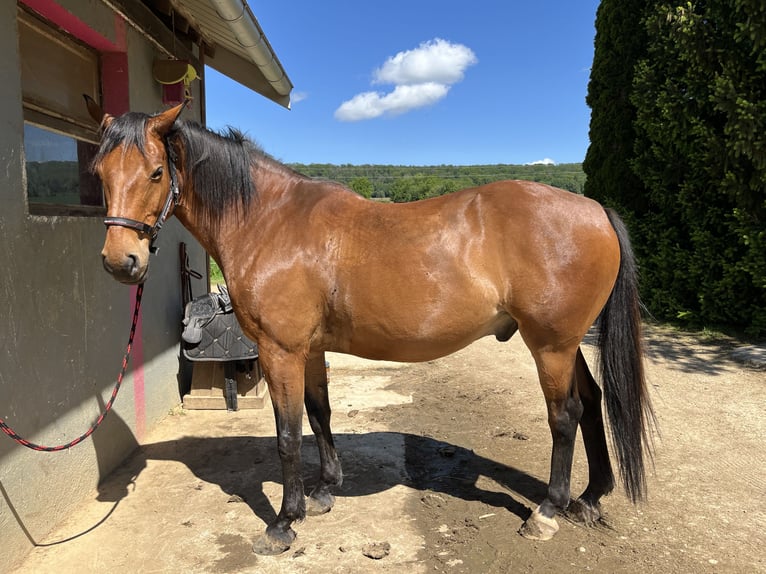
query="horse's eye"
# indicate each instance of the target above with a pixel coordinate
(157, 174)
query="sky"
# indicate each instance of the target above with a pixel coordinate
(420, 82)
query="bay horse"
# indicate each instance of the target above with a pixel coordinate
(313, 267)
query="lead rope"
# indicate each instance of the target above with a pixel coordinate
(22, 441)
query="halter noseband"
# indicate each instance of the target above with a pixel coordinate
(172, 199)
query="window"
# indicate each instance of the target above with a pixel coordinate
(60, 138)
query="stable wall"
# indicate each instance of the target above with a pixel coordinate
(64, 321)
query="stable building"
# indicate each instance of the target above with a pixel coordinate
(65, 321)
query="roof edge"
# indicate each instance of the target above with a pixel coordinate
(247, 74)
(236, 14)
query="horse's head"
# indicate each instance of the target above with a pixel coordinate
(138, 176)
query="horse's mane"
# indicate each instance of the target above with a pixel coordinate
(220, 166)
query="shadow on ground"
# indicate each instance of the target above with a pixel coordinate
(372, 463)
(690, 353)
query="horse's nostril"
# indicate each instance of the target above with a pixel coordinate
(132, 262)
(127, 266)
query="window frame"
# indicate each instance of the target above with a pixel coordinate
(48, 118)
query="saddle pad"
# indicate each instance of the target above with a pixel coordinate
(212, 333)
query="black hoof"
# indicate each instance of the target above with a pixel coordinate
(271, 544)
(583, 513)
(319, 503)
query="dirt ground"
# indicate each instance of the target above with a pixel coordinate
(443, 461)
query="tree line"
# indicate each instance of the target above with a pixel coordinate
(410, 183)
(57, 181)
(678, 146)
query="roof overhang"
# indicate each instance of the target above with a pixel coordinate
(227, 33)
(236, 46)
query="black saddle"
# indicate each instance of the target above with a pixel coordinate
(211, 331)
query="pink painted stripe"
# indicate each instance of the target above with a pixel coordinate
(139, 392)
(67, 21)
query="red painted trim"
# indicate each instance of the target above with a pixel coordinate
(114, 57)
(114, 83)
(71, 24)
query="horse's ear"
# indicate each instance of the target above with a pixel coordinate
(161, 123)
(95, 111)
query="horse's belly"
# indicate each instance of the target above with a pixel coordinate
(431, 305)
(412, 352)
(409, 341)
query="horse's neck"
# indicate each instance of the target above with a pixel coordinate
(214, 236)
(202, 235)
(275, 185)
(191, 213)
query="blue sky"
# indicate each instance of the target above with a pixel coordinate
(420, 82)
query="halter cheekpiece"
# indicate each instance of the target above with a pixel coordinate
(172, 199)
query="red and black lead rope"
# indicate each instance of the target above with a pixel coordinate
(22, 441)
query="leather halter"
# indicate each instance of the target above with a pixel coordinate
(172, 199)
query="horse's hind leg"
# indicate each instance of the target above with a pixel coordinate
(321, 499)
(556, 371)
(587, 509)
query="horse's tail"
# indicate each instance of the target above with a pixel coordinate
(628, 408)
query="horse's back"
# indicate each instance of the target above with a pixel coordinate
(502, 230)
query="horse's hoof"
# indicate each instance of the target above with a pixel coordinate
(583, 513)
(271, 545)
(539, 527)
(319, 504)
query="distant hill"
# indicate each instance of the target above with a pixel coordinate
(407, 183)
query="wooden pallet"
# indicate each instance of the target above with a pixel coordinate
(208, 384)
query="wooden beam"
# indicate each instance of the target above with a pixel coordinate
(140, 16)
(162, 6)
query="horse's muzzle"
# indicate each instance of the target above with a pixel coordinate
(126, 269)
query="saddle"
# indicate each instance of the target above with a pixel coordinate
(211, 331)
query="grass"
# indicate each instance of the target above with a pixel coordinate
(216, 276)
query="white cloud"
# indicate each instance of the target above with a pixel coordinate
(421, 77)
(370, 105)
(546, 161)
(296, 97)
(434, 61)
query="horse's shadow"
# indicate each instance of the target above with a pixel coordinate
(372, 462)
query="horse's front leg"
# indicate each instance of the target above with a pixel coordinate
(321, 499)
(284, 374)
(556, 372)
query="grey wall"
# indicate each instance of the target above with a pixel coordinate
(64, 325)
